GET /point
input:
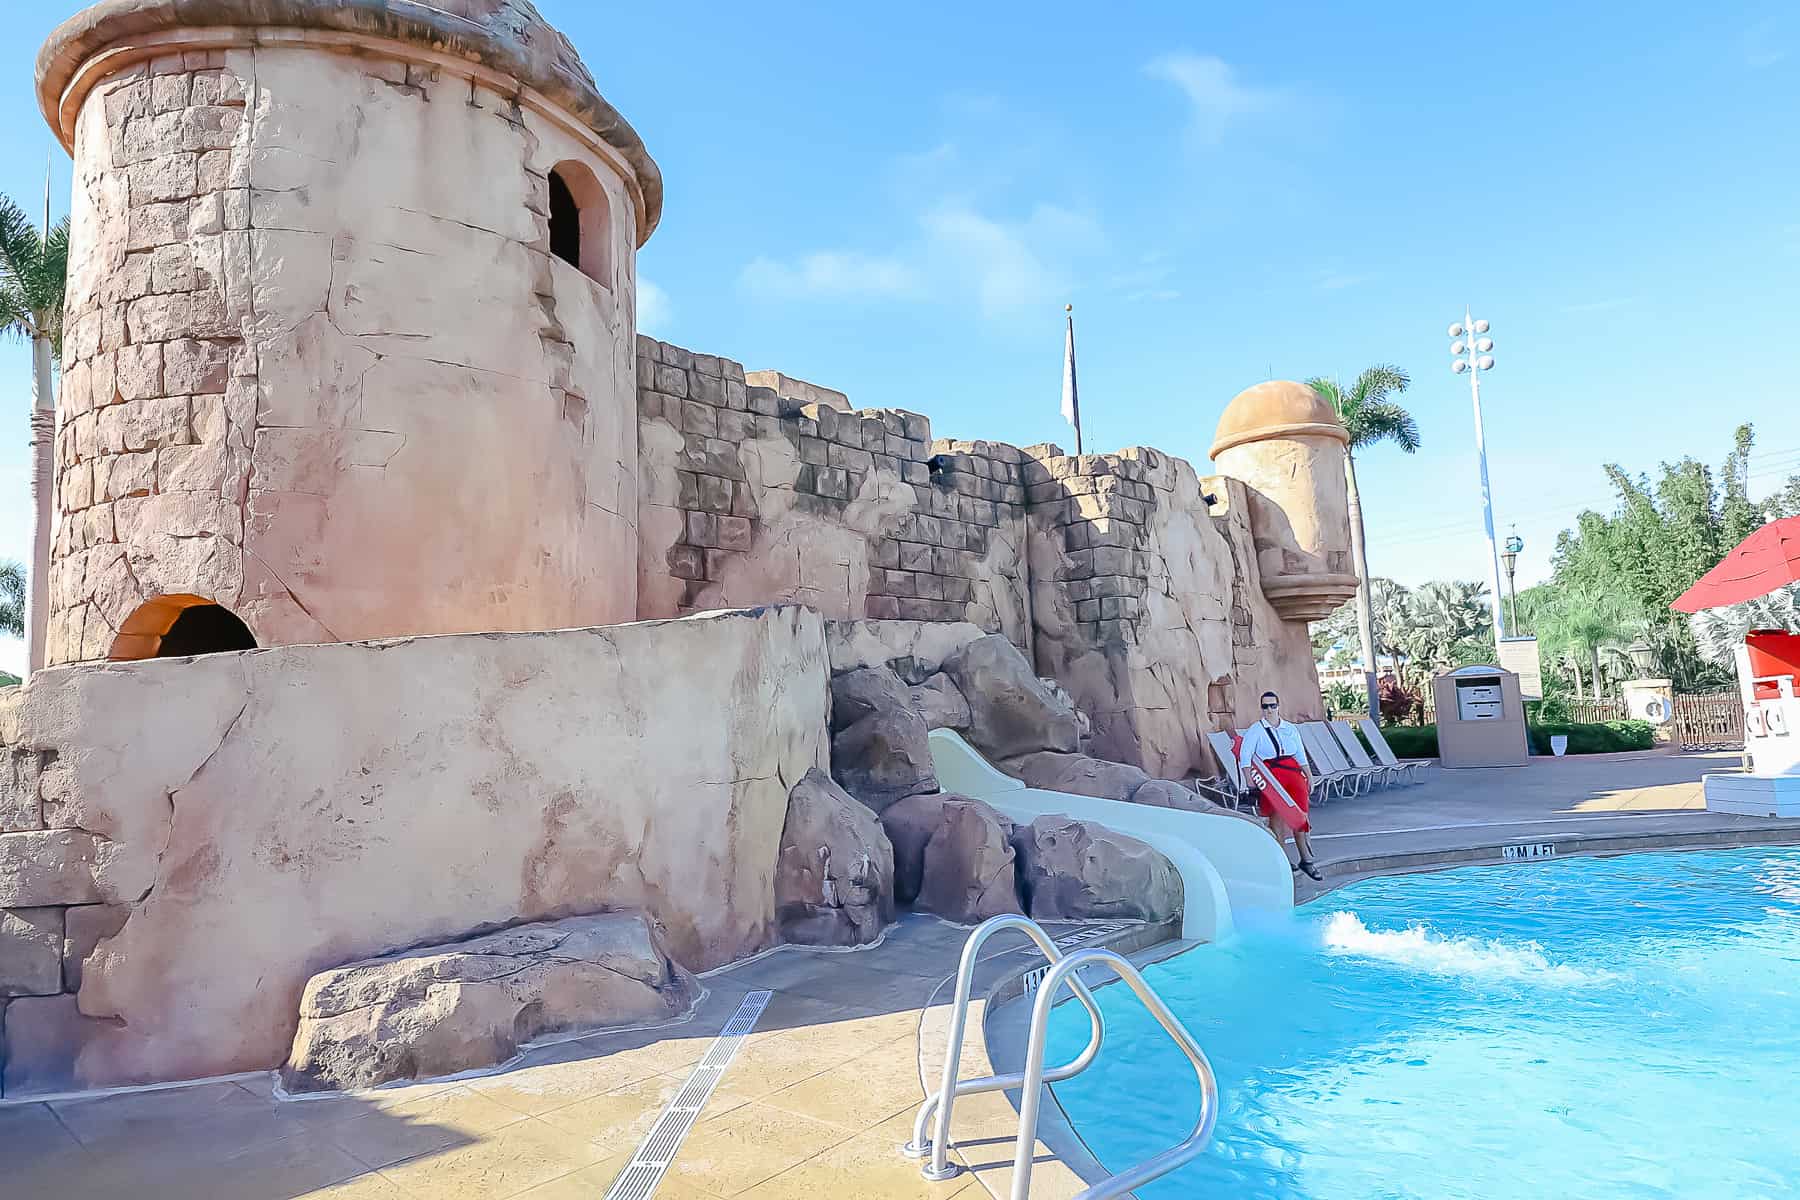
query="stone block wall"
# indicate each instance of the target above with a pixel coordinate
(1147, 606)
(184, 843)
(367, 401)
(1110, 570)
(749, 497)
(155, 412)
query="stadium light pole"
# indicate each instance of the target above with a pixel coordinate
(1473, 357)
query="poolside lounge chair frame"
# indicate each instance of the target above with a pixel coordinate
(1321, 790)
(1352, 747)
(1323, 749)
(1384, 753)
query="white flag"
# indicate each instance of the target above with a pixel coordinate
(1071, 404)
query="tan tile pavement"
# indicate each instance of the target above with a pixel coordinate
(816, 1105)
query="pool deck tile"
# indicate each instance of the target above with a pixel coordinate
(816, 1104)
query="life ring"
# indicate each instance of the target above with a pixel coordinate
(1777, 720)
(1754, 724)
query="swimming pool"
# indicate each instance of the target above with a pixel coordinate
(1625, 1027)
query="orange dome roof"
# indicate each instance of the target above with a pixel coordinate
(1278, 408)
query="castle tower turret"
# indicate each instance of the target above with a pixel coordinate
(350, 346)
(1288, 446)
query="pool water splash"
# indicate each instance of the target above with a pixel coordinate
(1474, 959)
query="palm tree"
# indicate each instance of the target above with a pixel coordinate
(1371, 417)
(12, 598)
(1585, 625)
(33, 280)
(1719, 631)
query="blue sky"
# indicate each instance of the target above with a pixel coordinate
(898, 201)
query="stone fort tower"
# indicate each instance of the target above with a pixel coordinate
(350, 326)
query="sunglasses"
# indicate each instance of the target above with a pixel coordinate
(1269, 706)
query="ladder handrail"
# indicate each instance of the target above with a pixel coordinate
(1035, 1077)
(938, 1147)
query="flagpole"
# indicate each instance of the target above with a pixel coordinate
(1071, 398)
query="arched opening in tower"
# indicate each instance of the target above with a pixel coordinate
(565, 222)
(179, 626)
(581, 221)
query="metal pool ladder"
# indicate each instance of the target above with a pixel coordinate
(935, 1148)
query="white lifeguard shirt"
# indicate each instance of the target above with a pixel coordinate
(1262, 742)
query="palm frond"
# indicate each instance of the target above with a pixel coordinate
(1384, 421)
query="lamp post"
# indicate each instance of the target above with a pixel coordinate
(1510, 556)
(1643, 656)
(1473, 357)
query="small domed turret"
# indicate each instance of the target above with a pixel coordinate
(1287, 445)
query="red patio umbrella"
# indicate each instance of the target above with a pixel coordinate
(1766, 560)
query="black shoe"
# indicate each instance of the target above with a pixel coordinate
(1311, 869)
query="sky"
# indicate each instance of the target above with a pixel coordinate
(898, 201)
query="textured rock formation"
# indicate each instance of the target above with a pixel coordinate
(1077, 773)
(396, 794)
(941, 703)
(1011, 712)
(1166, 793)
(449, 1008)
(966, 854)
(879, 752)
(864, 693)
(1084, 727)
(968, 873)
(834, 881)
(1076, 870)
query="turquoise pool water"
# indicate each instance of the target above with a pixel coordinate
(1624, 1027)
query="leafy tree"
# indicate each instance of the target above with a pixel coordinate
(33, 281)
(1661, 537)
(1371, 417)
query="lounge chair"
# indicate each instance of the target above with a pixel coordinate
(1324, 785)
(1228, 766)
(1384, 753)
(1221, 745)
(1359, 758)
(1322, 748)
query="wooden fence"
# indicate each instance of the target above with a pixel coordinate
(1713, 721)
(1592, 712)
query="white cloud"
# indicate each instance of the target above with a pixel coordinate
(1215, 95)
(957, 253)
(831, 273)
(653, 308)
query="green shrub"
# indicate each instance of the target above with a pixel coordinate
(1420, 741)
(1608, 737)
(1411, 741)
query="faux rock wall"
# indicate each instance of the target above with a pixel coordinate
(183, 843)
(750, 498)
(1110, 571)
(322, 367)
(1148, 609)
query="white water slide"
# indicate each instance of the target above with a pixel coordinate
(1227, 864)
